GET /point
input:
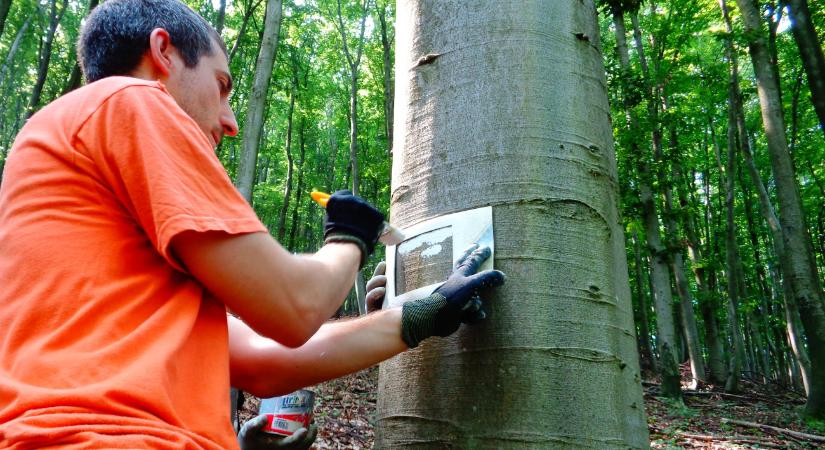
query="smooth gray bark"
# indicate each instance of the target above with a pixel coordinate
(690, 330)
(389, 93)
(299, 189)
(353, 64)
(555, 365)
(254, 123)
(659, 267)
(810, 51)
(645, 348)
(804, 278)
(726, 185)
(716, 370)
(766, 208)
(290, 164)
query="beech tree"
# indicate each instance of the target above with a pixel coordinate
(523, 108)
(5, 5)
(253, 127)
(799, 258)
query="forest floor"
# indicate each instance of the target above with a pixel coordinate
(345, 414)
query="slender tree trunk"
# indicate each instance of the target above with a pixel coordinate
(688, 316)
(253, 126)
(290, 166)
(659, 270)
(221, 17)
(251, 7)
(768, 213)
(707, 301)
(645, 348)
(389, 94)
(5, 5)
(810, 51)
(764, 313)
(75, 79)
(332, 155)
(804, 280)
(15, 46)
(354, 61)
(732, 256)
(709, 310)
(299, 190)
(55, 15)
(554, 220)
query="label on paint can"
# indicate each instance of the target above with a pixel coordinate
(287, 413)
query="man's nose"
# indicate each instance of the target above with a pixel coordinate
(228, 122)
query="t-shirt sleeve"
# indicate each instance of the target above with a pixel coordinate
(162, 169)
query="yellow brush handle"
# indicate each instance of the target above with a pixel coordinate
(320, 198)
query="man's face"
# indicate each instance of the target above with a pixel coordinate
(203, 92)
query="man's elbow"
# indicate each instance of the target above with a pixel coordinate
(291, 330)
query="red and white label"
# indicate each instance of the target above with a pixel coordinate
(286, 424)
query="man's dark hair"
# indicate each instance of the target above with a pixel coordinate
(116, 35)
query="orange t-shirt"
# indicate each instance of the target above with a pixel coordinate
(105, 342)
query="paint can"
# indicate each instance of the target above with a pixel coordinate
(287, 413)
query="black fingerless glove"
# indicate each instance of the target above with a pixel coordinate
(351, 219)
(454, 302)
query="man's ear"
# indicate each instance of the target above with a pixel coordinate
(160, 51)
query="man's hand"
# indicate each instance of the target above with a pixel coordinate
(351, 219)
(454, 302)
(252, 437)
(376, 288)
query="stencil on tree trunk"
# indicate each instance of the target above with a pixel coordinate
(423, 260)
(417, 266)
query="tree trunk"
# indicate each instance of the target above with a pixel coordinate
(804, 278)
(15, 46)
(55, 14)
(810, 51)
(768, 213)
(645, 348)
(332, 155)
(707, 300)
(221, 17)
(5, 5)
(549, 172)
(764, 313)
(253, 126)
(299, 190)
(290, 165)
(659, 270)
(688, 316)
(250, 10)
(354, 62)
(75, 79)
(389, 94)
(709, 310)
(726, 184)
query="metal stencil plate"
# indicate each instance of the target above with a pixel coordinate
(419, 264)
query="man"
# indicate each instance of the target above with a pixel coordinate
(123, 242)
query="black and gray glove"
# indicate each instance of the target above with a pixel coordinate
(376, 288)
(454, 302)
(252, 437)
(351, 219)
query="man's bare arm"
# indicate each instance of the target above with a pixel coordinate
(266, 368)
(282, 296)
